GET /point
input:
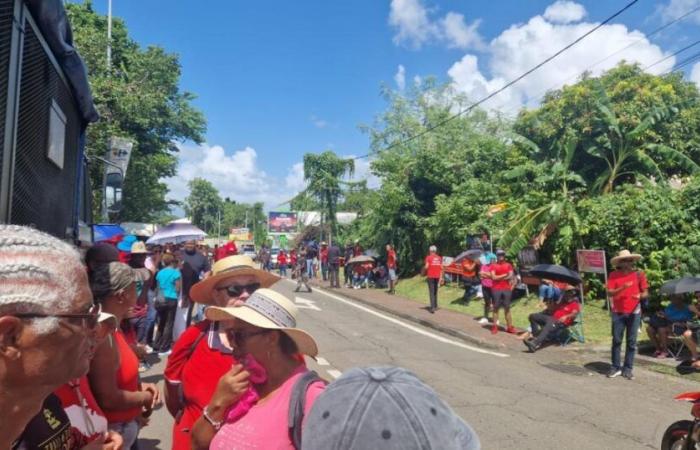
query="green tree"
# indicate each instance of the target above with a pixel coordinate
(138, 98)
(204, 205)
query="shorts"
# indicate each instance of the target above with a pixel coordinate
(501, 298)
(392, 274)
(487, 293)
(657, 322)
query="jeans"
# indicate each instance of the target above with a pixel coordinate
(347, 276)
(151, 317)
(140, 325)
(542, 326)
(283, 270)
(622, 323)
(548, 292)
(310, 268)
(333, 274)
(128, 430)
(433, 291)
(324, 271)
(166, 319)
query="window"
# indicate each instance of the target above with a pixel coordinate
(57, 135)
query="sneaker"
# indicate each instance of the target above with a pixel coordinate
(614, 372)
(144, 366)
(494, 329)
(149, 349)
(511, 330)
(165, 353)
(531, 346)
(483, 321)
(627, 373)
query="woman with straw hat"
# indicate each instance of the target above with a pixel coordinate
(252, 400)
(203, 352)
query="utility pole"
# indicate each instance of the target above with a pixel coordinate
(109, 35)
(218, 238)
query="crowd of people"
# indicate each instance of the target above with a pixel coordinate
(72, 330)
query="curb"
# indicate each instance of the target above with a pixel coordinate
(427, 323)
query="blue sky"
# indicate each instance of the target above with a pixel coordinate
(277, 79)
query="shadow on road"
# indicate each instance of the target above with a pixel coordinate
(150, 444)
(598, 366)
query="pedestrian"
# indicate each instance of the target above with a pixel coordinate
(334, 265)
(323, 259)
(310, 255)
(139, 314)
(264, 258)
(487, 286)
(384, 408)
(195, 266)
(114, 370)
(282, 263)
(470, 278)
(301, 272)
(261, 401)
(293, 260)
(203, 353)
(47, 330)
(502, 273)
(169, 283)
(391, 267)
(628, 288)
(347, 268)
(433, 272)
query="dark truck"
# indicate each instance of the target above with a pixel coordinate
(45, 108)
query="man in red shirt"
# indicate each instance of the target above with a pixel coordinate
(556, 317)
(627, 287)
(502, 290)
(391, 266)
(282, 262)
(433, 270)
(323, 259)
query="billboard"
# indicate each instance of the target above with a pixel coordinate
(282, 222)
(591, 261)
(240, 234)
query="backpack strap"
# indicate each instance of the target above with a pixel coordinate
(297, 405)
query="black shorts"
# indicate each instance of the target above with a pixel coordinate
(501, 298)
(487, 293)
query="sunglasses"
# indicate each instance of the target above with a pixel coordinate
(87, 320)
(236, 290)
(239, 337)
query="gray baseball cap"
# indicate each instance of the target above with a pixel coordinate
(113, 277)
(384, 408)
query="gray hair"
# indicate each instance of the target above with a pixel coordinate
(38, 273)
(433, 248)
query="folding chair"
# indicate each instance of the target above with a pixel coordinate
(572, 332)
(676, 344)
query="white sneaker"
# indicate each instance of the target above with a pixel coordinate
(149, 349)
(483, 321)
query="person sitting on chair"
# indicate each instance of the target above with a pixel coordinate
(674, 317)
(556, 317)
(550, 290)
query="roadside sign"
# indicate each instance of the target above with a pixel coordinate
(591, 261)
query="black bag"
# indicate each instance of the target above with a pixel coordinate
(297, 404)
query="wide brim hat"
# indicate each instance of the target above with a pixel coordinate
(139, 248)
(625, 254)
(269, 310)
(229, 267)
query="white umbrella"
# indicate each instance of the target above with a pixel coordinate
(176, 233)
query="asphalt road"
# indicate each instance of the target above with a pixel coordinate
(512, 400)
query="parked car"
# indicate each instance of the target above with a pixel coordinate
(249, 250)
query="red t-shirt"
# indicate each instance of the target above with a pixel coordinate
(323, 254)
(469, 267)
(627, 300)
(501, 269)
(281, 258)
(564, 309)
(391, 259)
(199, 372)
(434, 263)
(87, 420)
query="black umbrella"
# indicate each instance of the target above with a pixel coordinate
(681, 286)
(556, 273)
(471, 254)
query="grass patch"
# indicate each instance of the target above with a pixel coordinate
(596, 323)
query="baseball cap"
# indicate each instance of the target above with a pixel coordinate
(113, 277)
(500, 251)
(384, 408)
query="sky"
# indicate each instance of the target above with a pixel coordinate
(277, 79)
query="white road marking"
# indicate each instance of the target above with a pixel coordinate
(334, 373)
(305, 303)
(413, 328)
(322, 361)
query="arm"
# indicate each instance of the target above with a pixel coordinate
(103, 382)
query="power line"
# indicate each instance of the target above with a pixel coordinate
(672, 54)
(507, 85)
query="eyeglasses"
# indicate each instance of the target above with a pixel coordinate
(236, 290)
(239, 337)
(88, 320)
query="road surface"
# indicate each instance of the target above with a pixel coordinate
(511, 399)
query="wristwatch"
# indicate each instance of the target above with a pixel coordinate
(216, 424)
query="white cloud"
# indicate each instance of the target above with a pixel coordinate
(236, 175)
(295, 178)
(400, 77)
(318, 122)
(410, 18)
(414, 27)
(564, 11)
(677, 8)
(522, 46)
(695, 74)
(362, 172)
(459, 34)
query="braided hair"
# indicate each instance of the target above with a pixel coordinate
(38, 273)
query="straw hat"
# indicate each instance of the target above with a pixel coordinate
(625, 254)
(138, 248)
(229, 267)
(270, 310)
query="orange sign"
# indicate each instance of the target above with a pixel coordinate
(591, 261)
